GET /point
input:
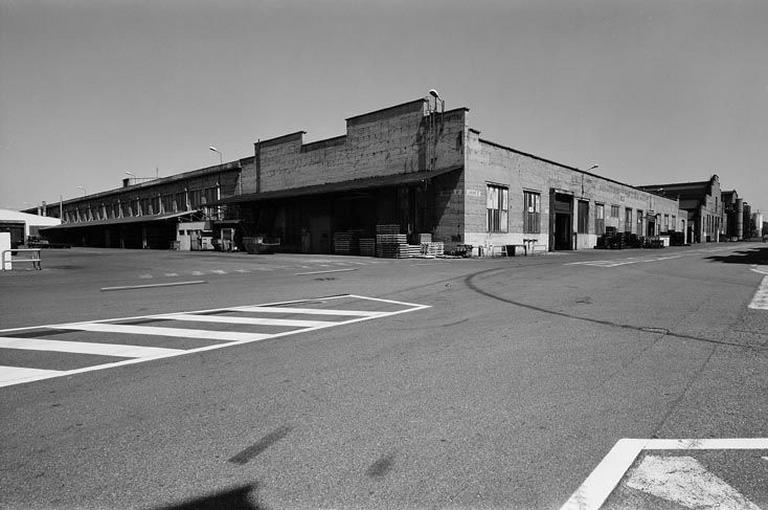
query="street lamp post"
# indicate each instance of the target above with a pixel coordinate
(221, 156)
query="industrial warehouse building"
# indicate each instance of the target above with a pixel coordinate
(414, 166)
(704, 206)
(146, 214)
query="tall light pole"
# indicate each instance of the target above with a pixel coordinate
(221, 156)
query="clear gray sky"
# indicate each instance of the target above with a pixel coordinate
(652, 91)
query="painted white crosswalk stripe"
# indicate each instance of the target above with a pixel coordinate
(125, 351)
(245, 320)
(17, 375)
(310, 311)
(760, 299)
(160, 331)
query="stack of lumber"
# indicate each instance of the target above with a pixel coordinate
(436, 249)
(387, 245)
(344, 243)
(407, 251)
(367, 246)
(387, 229)
(388, 240)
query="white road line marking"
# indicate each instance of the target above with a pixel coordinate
(604, 478)
(308, 311)
(125, 351)
(145, 276)
(30, 375)
(218, 271)
(242, 270)
(684, 481)
(760, 299)
(231, 336)
(170, 275)
(621, 262)
(151, 285)
(16, 375)
(197, 273)
(601, 482)
(328, 271)
(245, 320)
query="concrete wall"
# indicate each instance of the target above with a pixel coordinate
(392, 141)
(489, 163)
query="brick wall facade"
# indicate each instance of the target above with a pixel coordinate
(491, 164)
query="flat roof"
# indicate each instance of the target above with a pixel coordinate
(120, 221)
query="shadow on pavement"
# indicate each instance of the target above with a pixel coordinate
(756, 255)
(237, 498)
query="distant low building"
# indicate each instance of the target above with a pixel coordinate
(702, 202)
(23, 225)
(143, 214)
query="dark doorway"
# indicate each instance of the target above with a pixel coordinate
(563, 225)
(562, 231)
(651, 228)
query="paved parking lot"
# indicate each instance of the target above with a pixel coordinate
(482, 383)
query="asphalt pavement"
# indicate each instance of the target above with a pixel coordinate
(449, 383)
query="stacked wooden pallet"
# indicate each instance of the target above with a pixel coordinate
(436, 249)
(343, 243)
(387, 229)
(387, 245)
(407, 251)
(367, 246)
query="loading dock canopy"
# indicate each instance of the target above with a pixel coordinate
(120, 221)
(337, 187)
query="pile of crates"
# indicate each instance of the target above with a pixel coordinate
(390, 243)
(367, 246)
(614, 240)
(344, 243)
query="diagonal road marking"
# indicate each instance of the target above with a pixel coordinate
(17, 375)
(760, 299)
(245, 320)
(684, 481)
(606, 476)
(160, 331)
(310, 311)
(125, 351)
